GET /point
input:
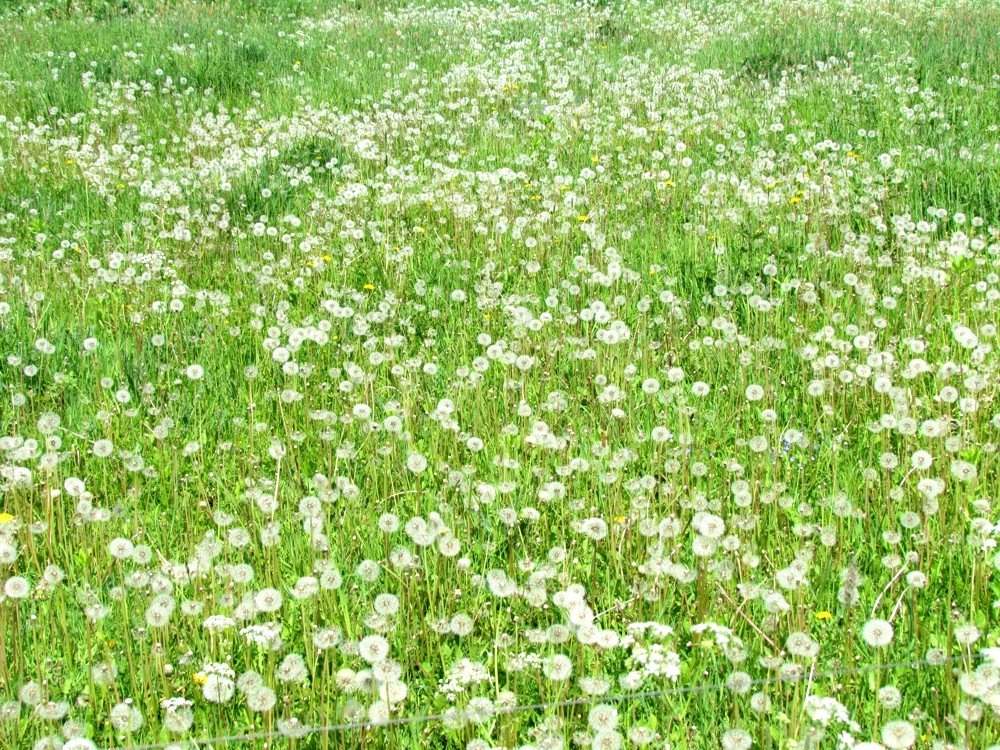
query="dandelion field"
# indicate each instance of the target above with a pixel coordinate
(499, 374)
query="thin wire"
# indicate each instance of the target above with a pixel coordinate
(569, 702)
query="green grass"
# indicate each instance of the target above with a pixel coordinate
(320, 244)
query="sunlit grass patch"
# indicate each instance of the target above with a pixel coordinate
(499, 374)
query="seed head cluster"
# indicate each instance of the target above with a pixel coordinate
(368, 361)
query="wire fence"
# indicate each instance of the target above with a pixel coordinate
(810, 676)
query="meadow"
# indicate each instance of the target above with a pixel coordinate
(499, 374)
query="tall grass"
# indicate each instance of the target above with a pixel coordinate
(364, 361)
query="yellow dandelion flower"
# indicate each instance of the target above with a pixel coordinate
(6, 518)
(824, 615)
(369, 287)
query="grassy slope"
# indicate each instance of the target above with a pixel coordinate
(919, 80)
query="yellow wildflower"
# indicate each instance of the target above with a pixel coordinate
(6, 518)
